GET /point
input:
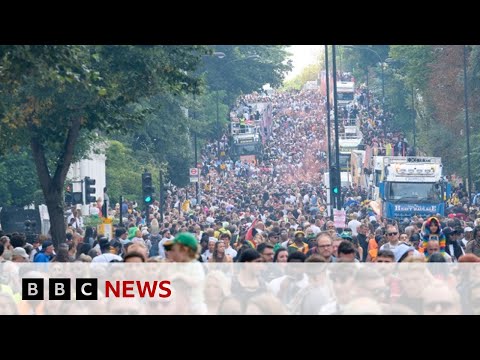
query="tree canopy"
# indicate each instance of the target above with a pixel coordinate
(53, 96)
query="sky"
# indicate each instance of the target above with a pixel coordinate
(302, 55)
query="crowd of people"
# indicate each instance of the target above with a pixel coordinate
(273, 211)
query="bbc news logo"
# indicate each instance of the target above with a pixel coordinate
(87, 289)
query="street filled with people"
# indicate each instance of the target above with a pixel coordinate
(275, 209)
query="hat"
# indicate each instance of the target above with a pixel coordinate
(186, 239)
(299, 232)
(46, 244)
(346, 235)
(401, 250)
(448, 231)
(468, 229)
(19, 251)
(131, 232)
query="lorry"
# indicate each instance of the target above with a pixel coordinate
(350, 139)
(345, 92)
(408, 186)
(359, 178)
(246, 143)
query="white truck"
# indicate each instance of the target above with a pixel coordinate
(408, 186)
(345, 92)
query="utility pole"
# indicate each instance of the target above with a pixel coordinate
(414, 116)
(368, 96)
(467, 125)
(329, 133)
(161, 195)
(218, 130)
(195, 142)
(121, 214)
(335, 114)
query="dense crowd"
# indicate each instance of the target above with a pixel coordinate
(271, 211)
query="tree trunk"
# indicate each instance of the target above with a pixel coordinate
(52, 187)
(57, 220)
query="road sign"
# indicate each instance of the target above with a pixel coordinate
(193, 179)
(339, 218)
(193, 172)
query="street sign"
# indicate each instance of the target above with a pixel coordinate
(193, 172)
(193, 179)
(339, 218)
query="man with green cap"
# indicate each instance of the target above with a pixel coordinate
(184, 249)
(131, 232)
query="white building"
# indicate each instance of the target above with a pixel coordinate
(94, 167)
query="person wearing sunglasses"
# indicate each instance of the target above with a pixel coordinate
(392, 238)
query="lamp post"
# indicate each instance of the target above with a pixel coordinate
(221, 55)
(414, 116)
(329, 131)
(467, 125)
(196, 147)
(218, 127)
(383, 80)
(337, 146)
(218, 55)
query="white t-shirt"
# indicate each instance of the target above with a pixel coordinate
(353, 225)
(274, 285)
(106, 258)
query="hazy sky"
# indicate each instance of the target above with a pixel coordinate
(302, 55)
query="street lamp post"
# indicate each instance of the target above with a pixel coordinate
(337, 146)
(368, 95)
(414, 116)
(383, 81)
(218, 128)
(329, 132)
(467, 125)
(195, 145)
(221, 55)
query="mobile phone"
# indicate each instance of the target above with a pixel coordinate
(433, 237)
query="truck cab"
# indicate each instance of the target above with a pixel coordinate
(408, 186)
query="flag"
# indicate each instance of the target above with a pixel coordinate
(250, 234)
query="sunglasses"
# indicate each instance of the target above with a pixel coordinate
(391, 234)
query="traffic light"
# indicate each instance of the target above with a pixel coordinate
(69, 194)
(77, 198)
(147, 188)
(89, 189)
(334, 180)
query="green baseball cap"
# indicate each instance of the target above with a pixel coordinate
(186, 239)
(131, 232)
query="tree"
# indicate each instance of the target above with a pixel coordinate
(123, 171)
(309, 73)
(18, 180)
(246, 68)
(52, 95)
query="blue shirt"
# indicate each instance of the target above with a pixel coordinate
(42, 257)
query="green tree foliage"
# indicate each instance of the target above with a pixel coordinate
(123, 171)
(205, 122)
(309, 73)
(359, 58)
(18, 180)
(52, 94)
(246, 68)
(414, 61)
